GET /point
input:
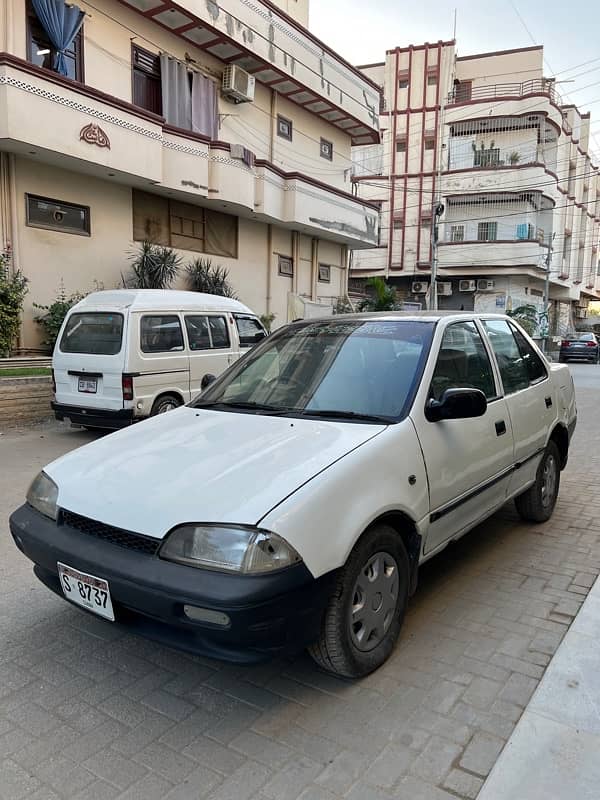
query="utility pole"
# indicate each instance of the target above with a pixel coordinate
(547, 291)
(438, 210)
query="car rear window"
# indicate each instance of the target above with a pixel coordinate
(97, 333)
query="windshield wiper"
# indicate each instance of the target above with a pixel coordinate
(244, 405)
(353, 415)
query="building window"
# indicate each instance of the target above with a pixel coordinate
(326, 150)
(54, 215)
(457, 233)
(184, 226)
(432, 80)
(286, 266)
(398, 224)
(401, 145)
(487, 231)
(41, 51)
(463, 91)
(429, 143)
(426, 222)
(324, 273)
(284, 128)
(403, 83)
(147, 91)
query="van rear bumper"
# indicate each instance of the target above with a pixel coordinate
(94, 417)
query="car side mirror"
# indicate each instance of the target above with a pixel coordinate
(207, 380)
(456, 404)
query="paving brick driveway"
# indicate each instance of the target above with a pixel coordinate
(89, 712)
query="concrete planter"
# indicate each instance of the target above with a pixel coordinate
(24, 401)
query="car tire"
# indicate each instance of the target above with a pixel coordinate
(356, 637)
(165, 403)
(537, 503)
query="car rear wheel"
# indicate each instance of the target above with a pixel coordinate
(537, 503)
(165, 403)
(366, 609)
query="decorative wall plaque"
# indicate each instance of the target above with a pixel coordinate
(93, 134)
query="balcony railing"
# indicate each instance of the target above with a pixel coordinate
(465, 92)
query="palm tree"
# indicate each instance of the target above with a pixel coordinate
(153, 267)
(381, 297)
(204, 276)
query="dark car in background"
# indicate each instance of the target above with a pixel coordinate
(580, 347)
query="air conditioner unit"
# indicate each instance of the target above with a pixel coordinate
(419, 287)
(467, 286)
(444, 289)
(238, 84)
(483, 285)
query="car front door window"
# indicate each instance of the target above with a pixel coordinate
(511, 362)
(463, 362)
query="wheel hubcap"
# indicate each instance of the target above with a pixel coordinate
(166, 407)
(374, 600)
(549, 475)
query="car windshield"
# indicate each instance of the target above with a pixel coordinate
(358, 369)
(95, 332)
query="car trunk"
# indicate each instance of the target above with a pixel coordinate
(89, 359)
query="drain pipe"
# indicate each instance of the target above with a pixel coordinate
(14, 229)
(269, 266)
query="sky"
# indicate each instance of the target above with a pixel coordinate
(362, 31)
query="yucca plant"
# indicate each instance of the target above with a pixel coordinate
(204, 276)
(381, 296)
(153, 267)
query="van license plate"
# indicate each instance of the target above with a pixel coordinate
(89, 385)
(86, 591)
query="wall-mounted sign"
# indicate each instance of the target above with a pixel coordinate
(93, 134)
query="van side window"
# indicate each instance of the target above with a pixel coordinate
(218, 332)
(197, 331)
(249, 329)
(160, 333)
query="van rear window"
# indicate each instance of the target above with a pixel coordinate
(99, 333)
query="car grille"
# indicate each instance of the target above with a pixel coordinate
(116, 536)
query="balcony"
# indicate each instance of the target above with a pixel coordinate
(466, 92)
(497, 254)
(86, 130)
(278, 52)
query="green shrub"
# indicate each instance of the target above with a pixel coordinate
(13, 288)
(152, 267)
(267, 321)
(54, 314)
(203, 276)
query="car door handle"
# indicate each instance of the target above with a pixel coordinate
(548, 402)
(500, 427)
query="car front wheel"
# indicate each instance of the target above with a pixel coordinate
(537, 503)
(366, 609)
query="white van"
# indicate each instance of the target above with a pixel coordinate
(123, 355)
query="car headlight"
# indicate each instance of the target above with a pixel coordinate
(43, 494)
(248, 551)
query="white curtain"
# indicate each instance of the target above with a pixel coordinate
(205, 117)
(176, 92)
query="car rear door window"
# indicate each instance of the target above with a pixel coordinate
(513, 367)
(197, 331)
(160, 333)
(534, 364)
(218, 332)
(463, 362)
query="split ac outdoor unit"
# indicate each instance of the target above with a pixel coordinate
(419, 287)
(238, 84)
(484, 285)
(467, 286)
(444, 289)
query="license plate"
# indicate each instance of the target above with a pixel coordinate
(89, 385)
(86, 591)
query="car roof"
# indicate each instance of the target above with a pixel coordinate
(427, 316)
(159, 300)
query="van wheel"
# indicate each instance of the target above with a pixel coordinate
(165, 403)
(537, 503)
(366, 609)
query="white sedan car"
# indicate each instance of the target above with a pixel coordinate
(292, 503)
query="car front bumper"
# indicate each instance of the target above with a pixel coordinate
(94, 417)
(269, 614)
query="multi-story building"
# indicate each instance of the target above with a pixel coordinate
(483, 146)
(220, 129)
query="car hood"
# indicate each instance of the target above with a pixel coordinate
(193, 465)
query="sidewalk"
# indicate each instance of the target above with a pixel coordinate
(553, 753)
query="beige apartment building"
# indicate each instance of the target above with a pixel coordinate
(485, 147)
(220, 129)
